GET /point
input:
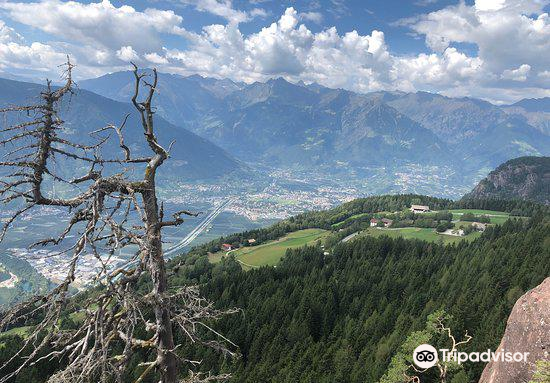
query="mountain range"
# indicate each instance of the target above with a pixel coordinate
(193, 157)
(221, 126)
(285, 124)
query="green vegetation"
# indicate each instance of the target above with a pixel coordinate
(479, 212)
(343, 316)
(423, 234)
(402, 362)
(351, 219)
(271, 252)
(542, 372)
(495, 217)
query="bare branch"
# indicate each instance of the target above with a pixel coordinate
(102, 211)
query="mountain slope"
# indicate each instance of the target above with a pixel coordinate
(534, 104)
(181, 100)
(525, 178)
(481, 134)
(287, 124)
(193, 157)
(280, 123)
(536, 112)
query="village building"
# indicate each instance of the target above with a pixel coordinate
(387, 222)
(251, 241)
(227, 247)
(479, 226)
(419, 209)
(374, 222)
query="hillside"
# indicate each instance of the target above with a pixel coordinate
(193, 157)
(340, 313)
(526, 178)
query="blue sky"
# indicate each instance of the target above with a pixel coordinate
(491, 49)
(363, 16)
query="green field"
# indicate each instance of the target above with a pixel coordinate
(479, 212)
(497, 217)
(424, 234)
(271, 252)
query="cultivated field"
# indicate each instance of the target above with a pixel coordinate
(497, 217)
(424, 234)
(271, 252)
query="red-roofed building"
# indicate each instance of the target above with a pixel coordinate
(227, 247)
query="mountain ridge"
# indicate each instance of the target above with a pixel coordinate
(279, 122)
(193, 157)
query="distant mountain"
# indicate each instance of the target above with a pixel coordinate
(280, 123)
(534, 104)
(181, 100)
(192, 157)
(480, 133)
(525, 178)
(535, 111)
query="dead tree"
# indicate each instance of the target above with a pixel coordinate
(103, 204)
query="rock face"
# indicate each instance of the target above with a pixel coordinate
(525, 178)
(527, 330)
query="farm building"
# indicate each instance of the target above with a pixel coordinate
(479, 226)
(227, 247)
(419, 209)
(374, 222)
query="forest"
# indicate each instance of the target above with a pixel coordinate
(341, 317)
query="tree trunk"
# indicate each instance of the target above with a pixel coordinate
(165, 357)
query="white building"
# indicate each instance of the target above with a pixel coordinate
(419, 209)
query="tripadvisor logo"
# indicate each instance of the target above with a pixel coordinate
(426, 356)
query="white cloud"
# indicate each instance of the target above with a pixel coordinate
(38, 56)
(510, 37)
(315, 17)
(288, 48)
(8, 34)
(518, 74)
(155, 58)
(439, 71)
(489, 5)
(96, 24)
(501, 29)
(127, 53)
(224, 9)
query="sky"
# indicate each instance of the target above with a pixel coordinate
(497, 50)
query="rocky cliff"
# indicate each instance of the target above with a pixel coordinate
(525, 178)
(527, 330)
